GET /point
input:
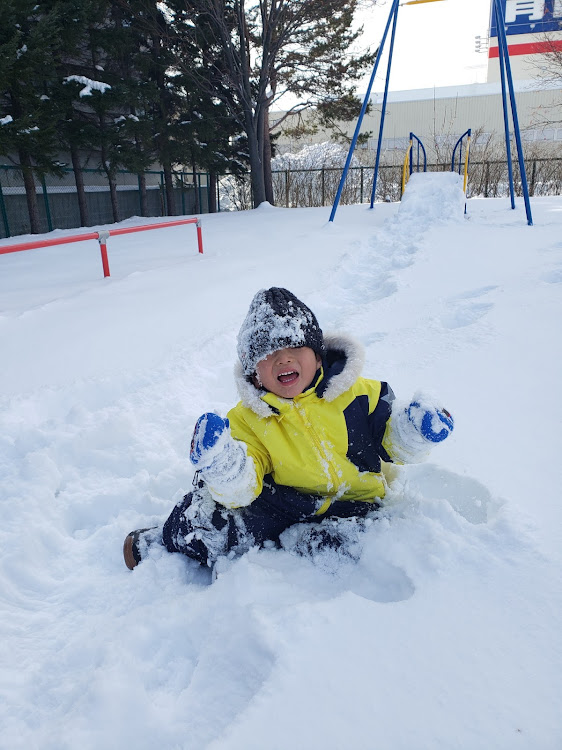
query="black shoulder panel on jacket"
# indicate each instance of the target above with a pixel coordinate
(366, 431)
(380, 417)
(333, 363)
(361, 449)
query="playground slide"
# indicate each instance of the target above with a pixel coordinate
(436, 195)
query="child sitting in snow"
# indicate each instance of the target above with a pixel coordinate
(304, 444)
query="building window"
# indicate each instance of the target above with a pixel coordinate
(546, 135)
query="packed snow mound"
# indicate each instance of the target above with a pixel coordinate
(437, 196)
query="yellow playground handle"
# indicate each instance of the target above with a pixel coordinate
(466, 164)
(405, 167)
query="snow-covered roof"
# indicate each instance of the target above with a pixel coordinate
(462, 90)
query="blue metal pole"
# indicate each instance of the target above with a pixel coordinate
(517, 130)
(505, 115)
(383, 113)
(361, 114)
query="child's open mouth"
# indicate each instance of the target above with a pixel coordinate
(286, 378)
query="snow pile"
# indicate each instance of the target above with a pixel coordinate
(314, 156)
(440, 625)
(433, 196)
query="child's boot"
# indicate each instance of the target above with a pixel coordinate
(136, 544)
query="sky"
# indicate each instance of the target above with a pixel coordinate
(435, 43)
(443, 631)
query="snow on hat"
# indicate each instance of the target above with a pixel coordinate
(276, 320)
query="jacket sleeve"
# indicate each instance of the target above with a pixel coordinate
(401, 441)
(257, 453)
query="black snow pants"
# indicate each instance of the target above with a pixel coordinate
(204, 530)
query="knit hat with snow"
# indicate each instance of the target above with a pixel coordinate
(276, 320)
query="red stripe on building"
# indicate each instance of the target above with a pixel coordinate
(532, 48)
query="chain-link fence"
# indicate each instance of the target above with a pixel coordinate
(61, 205)
(490, 179)
(317, 187)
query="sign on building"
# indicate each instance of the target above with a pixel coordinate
(530, 16)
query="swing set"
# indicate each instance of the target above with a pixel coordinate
(408, 166)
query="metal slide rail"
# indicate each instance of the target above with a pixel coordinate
(101, 236)
(408, 166)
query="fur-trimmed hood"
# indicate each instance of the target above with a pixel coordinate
(342, 364)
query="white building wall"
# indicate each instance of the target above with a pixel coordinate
(526, 55)
(446, 113)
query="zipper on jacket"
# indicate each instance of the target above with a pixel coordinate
(330, 471)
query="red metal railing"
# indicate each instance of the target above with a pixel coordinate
(102, 236)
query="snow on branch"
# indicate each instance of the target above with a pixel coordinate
(89, 85)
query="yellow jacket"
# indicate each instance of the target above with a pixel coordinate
(327, 441)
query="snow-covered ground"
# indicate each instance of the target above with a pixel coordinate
(446, 635)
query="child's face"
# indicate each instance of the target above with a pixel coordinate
(287, 372)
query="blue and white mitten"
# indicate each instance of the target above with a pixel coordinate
(222, 461)
(415, 428)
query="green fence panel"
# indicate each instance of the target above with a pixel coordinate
(58, 200)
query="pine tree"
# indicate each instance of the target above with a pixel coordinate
(124, 119)
(256, 51)
(212, 137)
(190, 126)
(157, 95)
(32, 36)
(76, 130)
